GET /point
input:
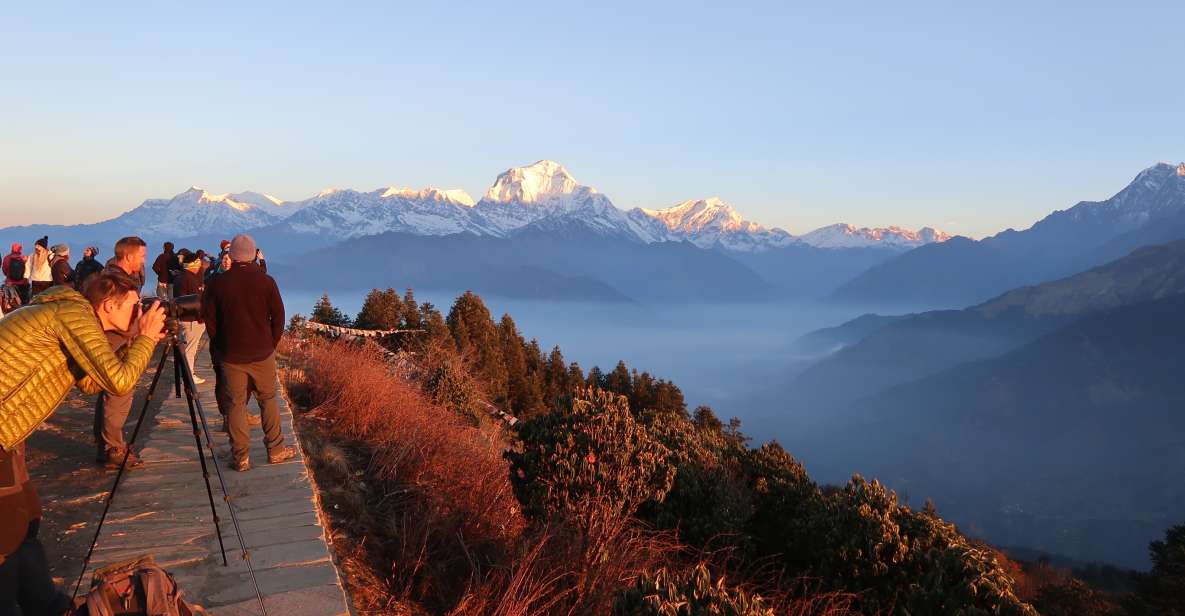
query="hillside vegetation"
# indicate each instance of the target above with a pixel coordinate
(607, 496)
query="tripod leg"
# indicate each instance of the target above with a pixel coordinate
(177, 374)
(197, 439)
(160, 367)
(198, 416)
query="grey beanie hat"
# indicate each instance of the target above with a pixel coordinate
(60, 249)
(242, 248)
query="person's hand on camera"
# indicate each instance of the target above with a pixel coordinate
(259, 254)
(152, 322)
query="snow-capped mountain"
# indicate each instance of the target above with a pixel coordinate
(523, 195)
(200, 211)
(345, 214)
(542, 197)
(848, 236)
(1155, 192)
(709, 223)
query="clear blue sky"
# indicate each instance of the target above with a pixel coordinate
(967, 116)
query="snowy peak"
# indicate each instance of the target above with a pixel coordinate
(540, 182)
(457, 196)
(849, 236)
(709, 223)
(694, 216)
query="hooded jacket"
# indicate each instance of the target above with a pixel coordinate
(50, 345)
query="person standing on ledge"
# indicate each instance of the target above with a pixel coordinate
(59, 265)
(40, 275)
(47, 347)
(162, 266)
(189, 282)
(111, 410)
(244, 317)
(15, 266)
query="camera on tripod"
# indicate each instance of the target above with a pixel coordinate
(186, 308)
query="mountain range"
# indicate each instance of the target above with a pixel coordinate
(1042, 417)
(1149, 210)
(543, 193)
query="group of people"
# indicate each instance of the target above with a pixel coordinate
(86, 327)
(28, 275)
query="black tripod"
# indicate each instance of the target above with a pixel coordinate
(197, 418)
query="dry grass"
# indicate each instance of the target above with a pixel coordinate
(424, 520)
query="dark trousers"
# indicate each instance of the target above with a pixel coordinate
(36, 287)
(111, 412)
(221, 393)
(26, 587)
(22, 291)
(258, 378)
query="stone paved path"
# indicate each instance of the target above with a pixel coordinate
(163, 509)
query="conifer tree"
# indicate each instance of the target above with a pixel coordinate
(476, 337)
(411, 311)
(381, 310)
(618, 381)
(326, 313)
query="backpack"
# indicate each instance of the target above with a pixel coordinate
(16, 268)
(137, 587)
(9, 299)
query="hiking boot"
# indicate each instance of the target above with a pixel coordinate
(280, 454)
(240, 464)
(115, 458)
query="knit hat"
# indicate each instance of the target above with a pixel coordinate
(16, 247)
(242, 248)
(191, 262)
(43, 242)
(60, 249)
(223, 244)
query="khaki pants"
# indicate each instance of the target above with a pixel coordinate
(111, 412)
(258, 378)
(191, 334)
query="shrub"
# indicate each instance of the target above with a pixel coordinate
(709, 503)
(442, 508)
(586, 459)
(694, 593)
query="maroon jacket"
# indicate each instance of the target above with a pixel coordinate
(8, 259)
(243, 313)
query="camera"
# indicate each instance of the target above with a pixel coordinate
(186, 308)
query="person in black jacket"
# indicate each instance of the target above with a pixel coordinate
(189, 282)
(87, 266)
(244, 316)
(162, 267)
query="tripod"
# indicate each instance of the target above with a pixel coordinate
(197, 419)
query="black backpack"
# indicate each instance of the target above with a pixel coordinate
(16, 269)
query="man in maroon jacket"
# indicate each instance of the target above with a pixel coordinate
(244, 319)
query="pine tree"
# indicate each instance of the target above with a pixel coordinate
(411, 311)
(476, 337)
(381, 310)
(326, 313)
(618, 381)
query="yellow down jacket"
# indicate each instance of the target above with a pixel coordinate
(47, 347)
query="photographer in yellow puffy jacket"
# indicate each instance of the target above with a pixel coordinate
(47, 347)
